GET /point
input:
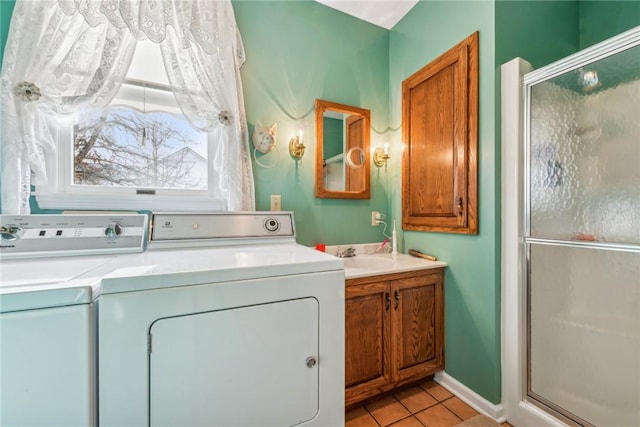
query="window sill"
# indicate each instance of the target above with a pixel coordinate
(128, 202)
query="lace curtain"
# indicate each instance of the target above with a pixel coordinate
(64, 55)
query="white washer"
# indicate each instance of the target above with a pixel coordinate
(224, 321)
(47, 341)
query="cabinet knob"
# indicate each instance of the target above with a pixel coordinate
(311, 362)
(396, 295)
(387, 298)
(460, 200)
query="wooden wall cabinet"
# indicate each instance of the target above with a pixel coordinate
(394, 331)
(440, 130)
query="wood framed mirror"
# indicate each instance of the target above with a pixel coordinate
(343, 165)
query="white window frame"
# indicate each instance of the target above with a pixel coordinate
(61, 193)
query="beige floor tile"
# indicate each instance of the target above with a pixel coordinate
(407, 422)
(416, 399)
(387, 411)
(460, 408)
(438, 416)
(436, 390)
(359, 417)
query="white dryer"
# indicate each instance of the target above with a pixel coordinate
(224, 321)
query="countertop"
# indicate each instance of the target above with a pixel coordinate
(367, 263)
(375, 265)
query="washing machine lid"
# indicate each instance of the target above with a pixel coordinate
(194, 266)
(55, 260)
(27, 284)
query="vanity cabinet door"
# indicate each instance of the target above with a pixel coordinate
(394, 331)
(417, 326)
(367, 367)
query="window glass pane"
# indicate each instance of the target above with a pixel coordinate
(147, 98)
(124, 147)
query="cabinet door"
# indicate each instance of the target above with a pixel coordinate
(439, 125)
(417, 326)
(367, 340)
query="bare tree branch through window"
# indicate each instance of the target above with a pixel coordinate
(124, 147)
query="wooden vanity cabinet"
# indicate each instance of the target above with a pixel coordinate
(394, 331)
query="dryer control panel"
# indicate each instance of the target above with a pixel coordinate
(27, 236)
(220, 227)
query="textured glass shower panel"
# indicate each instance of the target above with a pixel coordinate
(585, 310)
(585, 152)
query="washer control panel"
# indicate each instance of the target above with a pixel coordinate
(52, 235)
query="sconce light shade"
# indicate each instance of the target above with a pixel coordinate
(296, 147)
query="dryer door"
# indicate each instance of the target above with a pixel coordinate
(244, 366)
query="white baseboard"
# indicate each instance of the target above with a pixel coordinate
(470, 397)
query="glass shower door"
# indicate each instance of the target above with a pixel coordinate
(582, 238)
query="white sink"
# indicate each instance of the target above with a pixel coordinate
(368, 262)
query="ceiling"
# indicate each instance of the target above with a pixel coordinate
(384, 13)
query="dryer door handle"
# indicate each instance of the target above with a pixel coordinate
(311, 362)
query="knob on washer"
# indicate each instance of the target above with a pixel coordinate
(113, 230)
(11, 234)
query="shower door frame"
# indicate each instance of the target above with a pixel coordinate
(517, 80)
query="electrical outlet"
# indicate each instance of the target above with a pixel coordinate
(276, 202)
(375, 215)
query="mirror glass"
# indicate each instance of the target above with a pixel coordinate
(342, 151)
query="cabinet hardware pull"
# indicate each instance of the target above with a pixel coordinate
(387, 298)
(396, 295)
(460, 205)
(311, 362)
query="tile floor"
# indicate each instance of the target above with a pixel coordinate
(428, 404)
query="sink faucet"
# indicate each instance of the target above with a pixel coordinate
(347, 253)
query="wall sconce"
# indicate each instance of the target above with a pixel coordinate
(381, 155)
(296, 146)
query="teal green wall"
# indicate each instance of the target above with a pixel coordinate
(567, 27)
(333, 137)
(298, 51)
(472, 295)
(602, 19)
(539, 31)
(6, 9)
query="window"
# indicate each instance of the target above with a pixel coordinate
(140, 152)
(126, 146)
